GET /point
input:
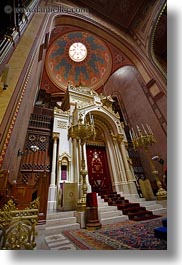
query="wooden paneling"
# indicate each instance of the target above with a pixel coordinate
(34, 172)
(24, 194)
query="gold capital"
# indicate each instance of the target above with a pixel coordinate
(55, 135)
(120, 138)
(114, 137)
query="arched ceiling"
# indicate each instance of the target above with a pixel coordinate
(160, 40)
(102, 58)
(119, 12)
(92, 71)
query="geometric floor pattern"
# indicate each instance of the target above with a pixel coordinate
(59, 242)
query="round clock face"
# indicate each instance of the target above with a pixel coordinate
(77, 52)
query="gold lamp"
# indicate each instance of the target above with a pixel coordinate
(143, 138)
(82, 131)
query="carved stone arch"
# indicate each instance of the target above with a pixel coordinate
(106, 130)
(64, 157)
(111, 121)
(64, 161)
(99, 138)
(116, 94)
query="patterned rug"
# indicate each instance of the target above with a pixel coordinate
(121, 236)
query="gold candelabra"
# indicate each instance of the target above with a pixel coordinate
(143, 138)
(82, 131)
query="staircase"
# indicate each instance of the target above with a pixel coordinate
(157, 207)
(109, 215)
(112, 208)
(60, 221)
(137, 210)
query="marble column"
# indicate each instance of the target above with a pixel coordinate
(59, 173)
(113, 167)
(121, 167)
(52, 197)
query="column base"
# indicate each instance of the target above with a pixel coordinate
(132, 187)
(52, 198)
(120, 187)
(126, 189)
(92, 220)
(80, 218)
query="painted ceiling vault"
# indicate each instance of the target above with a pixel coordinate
(78, 57)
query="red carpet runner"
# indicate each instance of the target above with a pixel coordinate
(133, 210)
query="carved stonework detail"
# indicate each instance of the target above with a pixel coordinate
(62, 124)
(64, 155)
(81, 105)
(114, 137)
(120, 138)
(83, 90)
(111, 111)
(60, 111)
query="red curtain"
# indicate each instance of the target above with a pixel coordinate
(63, 173)
(98, 171)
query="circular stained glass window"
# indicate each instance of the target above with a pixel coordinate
(78, 52)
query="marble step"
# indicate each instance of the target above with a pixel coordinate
(101, 202)
(113, 220)
(152, 207)
(161, 211)
(107, 208)
(109, 214)
(131, 197)
(148, 203)
(60, 221)
(57, 215)
(54, 230)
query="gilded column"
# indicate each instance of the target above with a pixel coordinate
(129, 175)
(89, 189)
